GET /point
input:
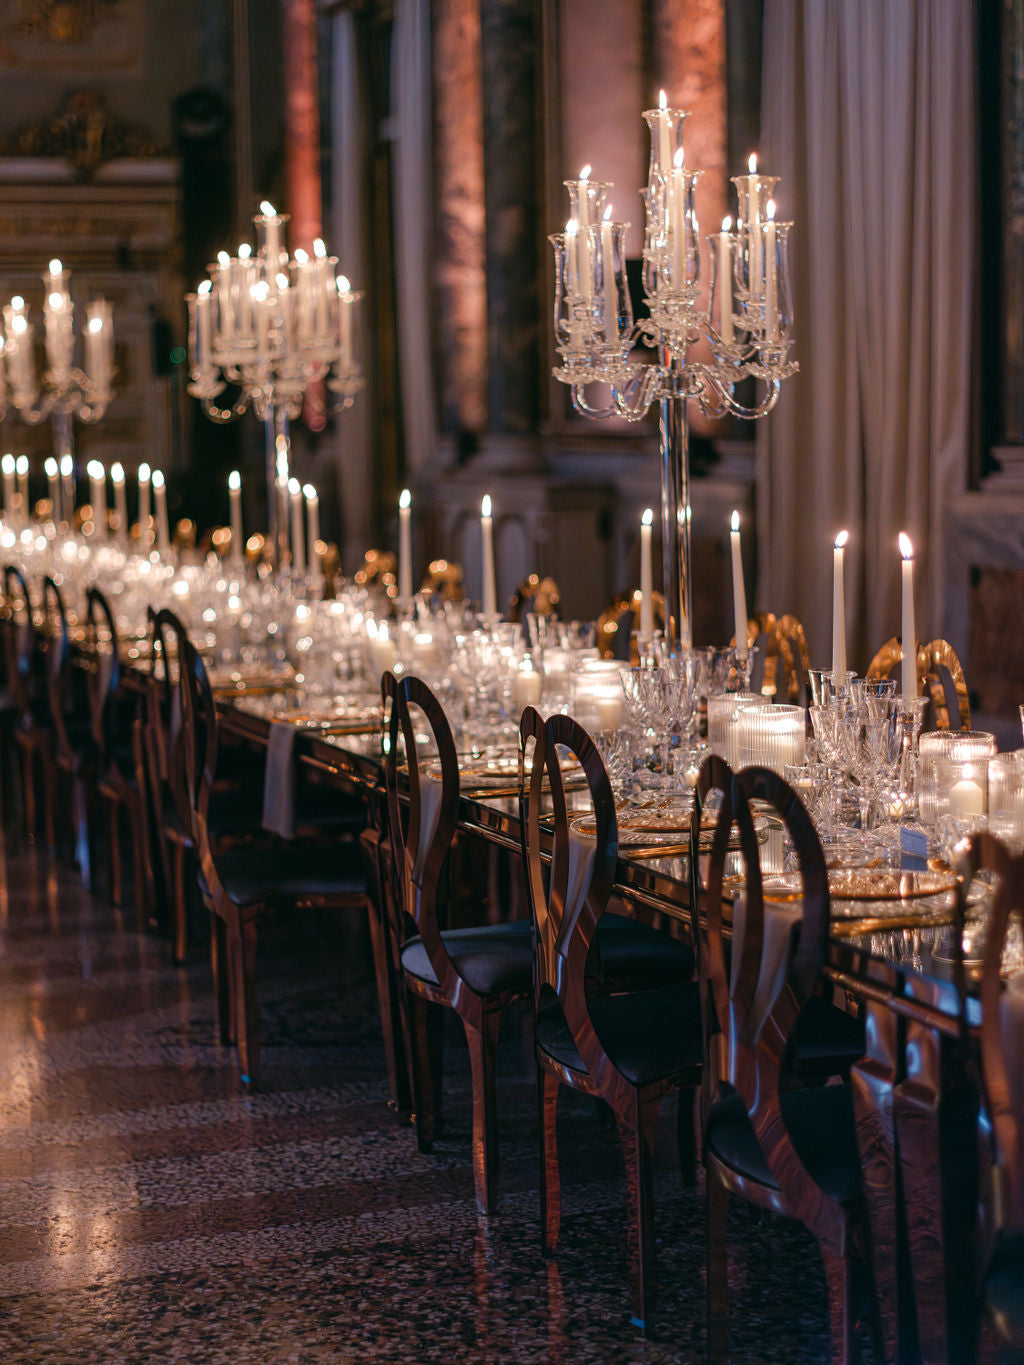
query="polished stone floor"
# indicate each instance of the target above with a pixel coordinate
(150, 1212)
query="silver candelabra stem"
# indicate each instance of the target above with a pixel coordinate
(746, 323)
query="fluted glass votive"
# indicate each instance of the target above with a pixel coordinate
(953, 776)
(771, 736)
(1006, 798)
(723, 716)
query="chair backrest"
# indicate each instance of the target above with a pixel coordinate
(165, 726)
(1002, 1027)
(568, 899)
(751, 1004)
(199, 747)
(105, 669)
(19, 637)
(57, 636)
(940, 679)
(420, 843)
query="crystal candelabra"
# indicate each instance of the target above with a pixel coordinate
(66, 392)
(272, 325)
(746, 323)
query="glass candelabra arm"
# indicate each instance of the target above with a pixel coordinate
(714, 392)
(216, 413)
(585, 409)
(634, 398)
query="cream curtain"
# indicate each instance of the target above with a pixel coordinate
(868, 116)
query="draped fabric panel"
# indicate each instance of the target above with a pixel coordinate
(868, 114)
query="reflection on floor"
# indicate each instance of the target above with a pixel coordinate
(148, 1212)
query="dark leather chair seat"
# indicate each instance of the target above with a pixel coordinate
(821, 1126)
(647, 1034)
(1004, 1289)
(287, 872)
(635, 956)
(825, 1033)
(492, 959)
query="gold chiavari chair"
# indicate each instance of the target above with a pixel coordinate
(940, 679)
(534, 594)
(617, 624)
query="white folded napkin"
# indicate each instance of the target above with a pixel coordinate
(279, 780)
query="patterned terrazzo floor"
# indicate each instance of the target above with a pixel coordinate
(149, 1212)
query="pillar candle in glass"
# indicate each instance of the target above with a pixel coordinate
(739, 592)
(163, 532)
(120, 500)
(235, 512)
(646, 575)
(909, 623)
(405, 545)
(298, 530)
(490, 597)
(839, 608)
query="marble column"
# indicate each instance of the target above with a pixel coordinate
(459, 176)
(510, 58)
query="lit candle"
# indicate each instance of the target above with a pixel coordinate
(754, 227)
(583, 195)
(53, 486)
(245, 270)
(966, 797)
(67, 474)
(320, 286)
(163, 535)
(23, 489)
(725, 327)
(145, 529)
(405, 545)
(258, 297)
(677, 227)
(345, 302)
(909, 624)
(839, 609)
(739, 592)
(572, 266)
(7, 468)
(771, 302)
(298, 539)
(235, 504)
(98, 496)
(664, 157)
(204, 351)
(225, 296)
(646, 575)
(271, 223)
(312, 523)
(120, 500)
(490, 601)
(611, 293)
(99, 345)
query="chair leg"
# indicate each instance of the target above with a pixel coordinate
(839, 1288)
(50, 802)
(686, 1135)
(483, 1047)
(180, 904)
(142, 876)
(637, 1141)
(428, 1051)
(246, 1008)
(717, 1271)
(220, 962)
(28, 787)
(114, 861)
(550, 1176)
(83, 824)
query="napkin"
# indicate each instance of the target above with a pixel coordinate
(780, 921)
(279, 780)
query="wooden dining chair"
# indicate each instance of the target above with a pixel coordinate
(120, 761)
(1002, 1078)
(477, 971)
(27, 698)
(791, 1151)
(240, 885)
(628, 1048)
(940, 679)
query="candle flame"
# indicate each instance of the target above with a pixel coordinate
(841, 539)
(223, 259)
(204, 288)
(734, 521)
(485, 505)
(294, 488)
(19, 324)
(67, 465)
(17, 303)
(752, 163)
(282, 281)
(301, 258)
(319, 247)
(158, 478)
(56, 300)
(677, 160)
(234, 480)
(309, 492)
(244, 251)
(648, 517)
(343, 285)
(727, 223)
(145, 473)
(117, 471)
(55, 267)
(259, 291)
(22, 464)
(95, 470)
(267, 209)
(50, 467)
(571, 227)
(769, 210)
(906, 546)
(7, 464)
(585, 171)
(95, 325)
(662, 100)
(608, 214)
(405, 498)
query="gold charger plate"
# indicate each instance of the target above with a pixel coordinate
(865, 884)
